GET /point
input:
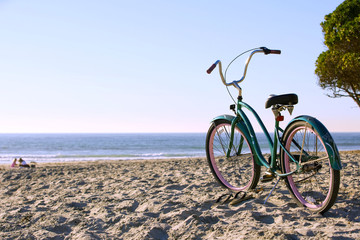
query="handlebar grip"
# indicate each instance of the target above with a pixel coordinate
(275, 51)
(269, 51)
(212, 67)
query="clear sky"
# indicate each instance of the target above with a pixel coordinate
(139, 66)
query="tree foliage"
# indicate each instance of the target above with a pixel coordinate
(338, 68)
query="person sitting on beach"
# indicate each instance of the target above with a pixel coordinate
(22, 163)
(14, 163)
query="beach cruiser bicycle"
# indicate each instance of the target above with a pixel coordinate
(304, 154)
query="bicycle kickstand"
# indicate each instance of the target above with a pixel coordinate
(272, 189)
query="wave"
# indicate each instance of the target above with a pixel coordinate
(7, 158)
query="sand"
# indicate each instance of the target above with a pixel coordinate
(161, 199)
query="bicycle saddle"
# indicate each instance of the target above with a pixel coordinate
(284, 99)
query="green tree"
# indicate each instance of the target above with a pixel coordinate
(338, 68)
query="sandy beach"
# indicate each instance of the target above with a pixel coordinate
(161, 199)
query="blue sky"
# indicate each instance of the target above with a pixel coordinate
(139, 66)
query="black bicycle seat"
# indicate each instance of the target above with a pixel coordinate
(284, 99)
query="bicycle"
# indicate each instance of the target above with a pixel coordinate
(303, 154)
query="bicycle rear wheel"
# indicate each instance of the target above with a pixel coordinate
(238, 172)
(316, 185)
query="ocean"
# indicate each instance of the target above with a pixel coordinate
(87, 147)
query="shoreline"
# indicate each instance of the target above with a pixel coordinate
(7, 165)
(161, 199)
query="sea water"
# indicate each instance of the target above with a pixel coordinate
(87, 147)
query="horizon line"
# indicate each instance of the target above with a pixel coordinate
(138, 132)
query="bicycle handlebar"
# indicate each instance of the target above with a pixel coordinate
(235, 83)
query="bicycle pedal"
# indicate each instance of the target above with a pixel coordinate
(267, 177)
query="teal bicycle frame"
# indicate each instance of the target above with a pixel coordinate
(243, 123)
(242, 119)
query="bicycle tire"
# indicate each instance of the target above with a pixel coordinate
(239, 172)
(317, 184)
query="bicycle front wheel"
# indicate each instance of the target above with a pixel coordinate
(316, 184)
(238, 172)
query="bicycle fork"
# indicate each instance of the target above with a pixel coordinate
(231, 143)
